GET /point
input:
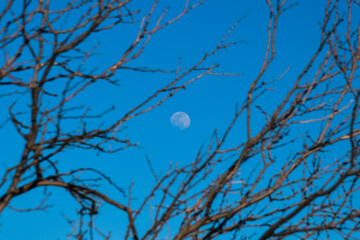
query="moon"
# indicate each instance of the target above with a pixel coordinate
(180, 120)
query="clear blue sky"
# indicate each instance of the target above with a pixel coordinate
(210, 102)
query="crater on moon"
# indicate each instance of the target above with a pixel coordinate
(180, 120)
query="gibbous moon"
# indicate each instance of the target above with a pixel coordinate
(180, 120)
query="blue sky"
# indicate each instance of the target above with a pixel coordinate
(210, 102)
